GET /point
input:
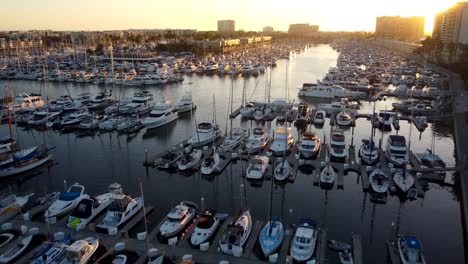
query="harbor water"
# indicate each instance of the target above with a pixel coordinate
(98, 160)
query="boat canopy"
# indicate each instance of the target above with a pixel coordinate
(412, 242)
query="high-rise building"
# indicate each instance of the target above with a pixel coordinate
(225, 26)
(267, 29)
(400, 28)
(302, 29)
(451, 30)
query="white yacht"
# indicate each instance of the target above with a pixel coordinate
(80, 251)
(368, 152)
(396, 150)
(211, 163)
(283, 141)
(87, 210)
(78, 102)
(92, 121)
(162, 114)
(386, 118)
(185, 104)
(319, 118)
(73, 119)
(120, 210)
(303, 114)
(303, 242)
(338, 150)
(205, 134)
(328, 91)
(129, 123)
(378, 180)
(206, 227)
(411, 251)
(309, 147)
(142, 103)
(26, 101)
(40, 118)
(257, 140)
(327, 176)
(67, 201)
(177, 219)
(343, 118)
(189, 159)
(101, 100)
(236, 234)
(257, 167)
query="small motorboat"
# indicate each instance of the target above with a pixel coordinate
(189, 160)
(282, 170)
(67, 201)
(303, 242)
(338, 245)
(257, 167)
(169, 160)
(271, 236)
(15, 249)
(205, 228)
(11, 205)
(236, 234)
(87, 210)
(327, 175)
(50, 197)
(411, 251)
(343, 118)
(80, 251)
(120, 259)
(53, 251)
(177, 219)
(319, 118)
(346, 257)
(379, 181)
(257, 140)
(403, 180)
(211, 163)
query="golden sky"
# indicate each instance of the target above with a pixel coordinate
(330, 15)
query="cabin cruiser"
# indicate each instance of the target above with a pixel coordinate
(303, 114)
(386, 119)
(368, 152)
(236, 234)
(25, 101)
(233, 140)
(80, 251)
(78, 102)
(206, 227)
(120, 210)
(101, 100)
(211, 163)
(247, 110)
(53, 251)
(257, 167)
(257, 140)
(87, 210)
(319, 118)
(11, 205)
(411, 251)
(283, 141)
(327, 176)
(40, 118)
(403, 180)
(185, 104)
(15, 249)
(92, 121)
(189, 159)
(67, 201)
(163, 113)
(206, 133)
(271, 236)
(328, 91)
(396, 150)
(59, 104)
(378, 180)
(303, 242)
(338, 150)
(177, 219)
(309, 147)
(282, 170)
(73, 119)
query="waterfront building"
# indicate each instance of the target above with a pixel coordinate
(268, 29)
(302, 29)
(400, 28)
(451, 31)
(226, 26)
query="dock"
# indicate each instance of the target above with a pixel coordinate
(392, 251)
(322, 247)
(357, 249)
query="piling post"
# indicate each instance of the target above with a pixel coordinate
(202, 203)
(146, 157)
(352, 136)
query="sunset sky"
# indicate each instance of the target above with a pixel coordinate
(330, 15)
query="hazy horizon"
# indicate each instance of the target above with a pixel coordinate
(87, 15)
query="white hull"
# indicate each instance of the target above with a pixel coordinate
(17, 170)
(15, 249)
(151, 123)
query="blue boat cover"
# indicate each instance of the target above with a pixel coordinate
(69, 196)
(412, 242)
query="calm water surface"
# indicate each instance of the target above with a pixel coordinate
(97, 161)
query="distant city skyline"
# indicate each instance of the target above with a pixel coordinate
(331, 15)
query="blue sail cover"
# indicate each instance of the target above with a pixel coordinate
(412, 242)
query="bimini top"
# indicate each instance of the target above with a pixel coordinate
(397, 140)
(412, 242)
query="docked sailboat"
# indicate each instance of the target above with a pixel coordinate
(189, 159)
(53, 251)
(257, 167)
(206, 227)
(87, 210)
(403, 180)
(386, 119)
(271, 236)
(344, 118)
(211, 163)
(319, 118)
(120, 210)
(11, 205)
(257, 140)
(303, 242)
(283, 140)
(233, 140)
(177, 219)
(378, 180)
(206, 133)
(169, 160)
(309, 147)
(40, 118)
(67, 201)
(73, 119)
(327, 176)
(411, 251)
(368, 152)
(282, 170)
(80, 251)
(236, 234)
(92, 121)
(25, 160)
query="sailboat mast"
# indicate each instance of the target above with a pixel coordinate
(232, 100)
(8, 113)
(144, 215)
(270, 209)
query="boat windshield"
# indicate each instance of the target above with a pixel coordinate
(119, 205)
(205, 222)
(156, 115)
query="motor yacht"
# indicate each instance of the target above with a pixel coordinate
(257, 140)
(53, 251)
(40, 118)
(328, 91)
(185, 104)
(303, 242)
(303, 114)
(80, 251)
(67, 201)
(206, 227)
(396, 150)
(233, 140)
(309, 147)
(73, 119)
(257, 167)
(206, 133)
(319, 118)
(236, 234)
(338, 150)
(162, 114)
(283, 141)
(177, 219)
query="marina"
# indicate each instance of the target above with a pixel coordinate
(133, 157)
